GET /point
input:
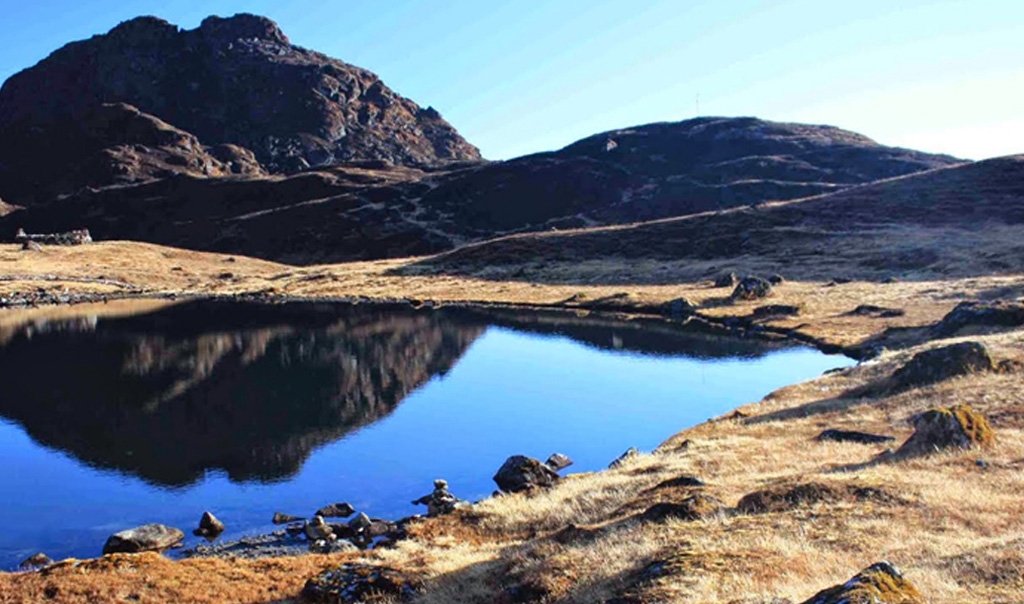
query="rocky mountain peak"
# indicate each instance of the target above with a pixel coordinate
(231, 81)
(243, 26)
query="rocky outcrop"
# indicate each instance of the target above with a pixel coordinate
(75, 237)
(783, 498)
(957, 427)
(881, 583)
(695, 507)
(232, 81)
(558, 461)
(1000, 314)
(146, 538)
(752, 288)
(356, 582)
(520, 473)
(938, 364)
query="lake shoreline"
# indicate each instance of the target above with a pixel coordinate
(947, 520)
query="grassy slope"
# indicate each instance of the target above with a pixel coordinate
(956, 528)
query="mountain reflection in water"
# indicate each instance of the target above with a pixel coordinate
(251, 389)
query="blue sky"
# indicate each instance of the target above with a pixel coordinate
(517, 77)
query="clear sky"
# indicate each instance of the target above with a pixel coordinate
(521, 76)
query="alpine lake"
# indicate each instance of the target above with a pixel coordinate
(115, 416)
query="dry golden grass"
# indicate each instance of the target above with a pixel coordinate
(956, 528)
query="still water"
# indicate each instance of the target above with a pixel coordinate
(109, 421)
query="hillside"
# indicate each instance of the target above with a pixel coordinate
(956, 222)
(376, 209)
(232, 89)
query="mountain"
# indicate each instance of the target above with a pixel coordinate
(236, 84)
(958, 221)
(229, 138)
(366, 210)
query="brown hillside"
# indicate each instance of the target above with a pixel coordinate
(958, 221)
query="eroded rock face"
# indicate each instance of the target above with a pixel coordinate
(881, 583)
(146, 538)
(521, 473)
(358, 583)
(932, 366)
(957, 427)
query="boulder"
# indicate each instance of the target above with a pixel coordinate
(357, 582)
(776, 279)
(209, 526)
(751, 288)
(281, 518)
(957, 427)
(336, 510)
(317, 529)
(37, 560)
(694, 507)
(360, 523)
(1002, 313)
(628, 454)
(727, 280)
(521, 473)
(880, 583)
(31, 246)
(938, 364)
(852, 436)
(558, 462)
(147, 538)
(332, 546)
(678, 307)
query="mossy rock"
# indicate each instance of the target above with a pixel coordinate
(938, 364)
(695, 507)
(783, 498)
(880, 583)
(959, 426)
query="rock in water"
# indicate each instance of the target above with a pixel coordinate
(350, 583)
(440, 501)
(880, 583)
(521, 473)
(147, 538)
(558, 462)
(938, 364)
(959, 426)
(281, 518)
(751, 288)
(336, 510)
(209, 526)
(318, 529)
